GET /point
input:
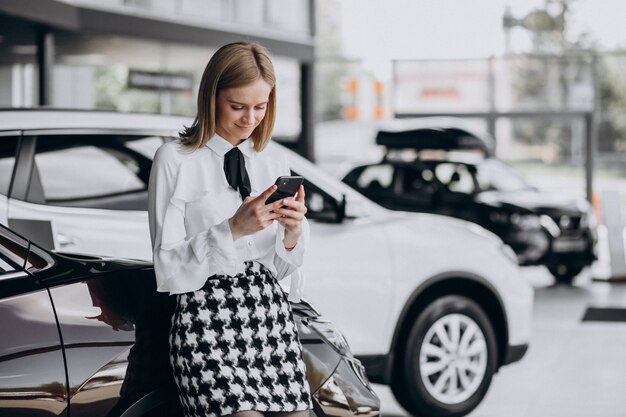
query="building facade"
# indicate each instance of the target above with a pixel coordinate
(149, 55)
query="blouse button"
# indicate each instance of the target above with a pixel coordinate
(249, 243)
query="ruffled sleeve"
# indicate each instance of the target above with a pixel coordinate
(182, 263)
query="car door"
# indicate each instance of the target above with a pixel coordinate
(84, 192)
(115, 327)
(32, 366)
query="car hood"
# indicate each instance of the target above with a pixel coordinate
(534, 202)
(435, 224)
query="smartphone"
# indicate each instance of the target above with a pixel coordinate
(287, 187)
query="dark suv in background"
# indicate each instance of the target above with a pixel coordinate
(450, 170)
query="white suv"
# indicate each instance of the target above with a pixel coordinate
(432, 306)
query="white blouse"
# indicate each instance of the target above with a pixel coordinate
(189, 204)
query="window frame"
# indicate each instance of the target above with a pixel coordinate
(28, 184)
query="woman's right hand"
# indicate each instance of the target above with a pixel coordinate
(254, 215)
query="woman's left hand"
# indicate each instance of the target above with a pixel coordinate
(292, 213)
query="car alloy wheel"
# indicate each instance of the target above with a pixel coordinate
(449, 359)
(453, 358)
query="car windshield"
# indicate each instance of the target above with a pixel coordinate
(496, 175)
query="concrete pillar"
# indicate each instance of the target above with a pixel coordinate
(305, 144)
(6, 87)
(45, 61)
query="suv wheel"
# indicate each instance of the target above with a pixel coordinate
(565, 274)
(448, 361)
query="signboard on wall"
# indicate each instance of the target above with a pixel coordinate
(160, 81)
(440, 86)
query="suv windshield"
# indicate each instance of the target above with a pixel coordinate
(496, 175)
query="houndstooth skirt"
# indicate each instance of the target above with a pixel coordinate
(234, 347)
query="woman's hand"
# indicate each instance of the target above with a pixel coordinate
(292, 213)
(254, 215)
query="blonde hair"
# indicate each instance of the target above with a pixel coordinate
(233, 65)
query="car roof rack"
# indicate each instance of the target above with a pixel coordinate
(446, 139)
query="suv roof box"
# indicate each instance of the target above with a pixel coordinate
(448, 139)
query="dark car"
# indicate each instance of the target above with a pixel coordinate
(88, 336)
(419, 174)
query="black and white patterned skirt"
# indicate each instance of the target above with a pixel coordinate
(234, 347)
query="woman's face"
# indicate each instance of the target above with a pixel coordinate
(241, 109)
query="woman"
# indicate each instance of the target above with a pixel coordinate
(233, 342)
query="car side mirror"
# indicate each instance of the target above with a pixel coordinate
(323, 208)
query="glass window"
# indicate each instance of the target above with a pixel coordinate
(8, 149)
(5, 266)
(376, 176)
(495, 175)
(418, 181)
(546, 151)
(146, 146)
(288, 15)
(249, 12)
(95, 171)
(288, 112)
(164, 6)
(212, 9)
(85, 172)
(13, 250)
(456, 177)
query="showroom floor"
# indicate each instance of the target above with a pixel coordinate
(574, 367)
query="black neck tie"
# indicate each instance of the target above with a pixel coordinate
(236, 174)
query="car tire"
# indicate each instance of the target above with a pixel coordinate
(565, 274)
(423, 384)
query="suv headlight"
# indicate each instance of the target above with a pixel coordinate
(330, 334)
(550, 225)
(533, 222)
(526, 221)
